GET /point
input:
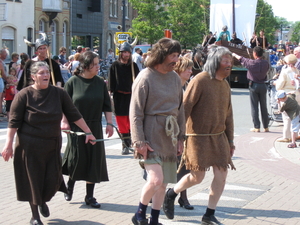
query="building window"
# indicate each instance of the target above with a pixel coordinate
(109, 41)
(8, 40)
(79, 16)
(110, 8)
(3, 11)
(115, 8)
(41, 26)
(65, 5)
(29, 38)
(53, 38)
(64, 34)
(126, 9)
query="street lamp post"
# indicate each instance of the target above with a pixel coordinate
(124, 13)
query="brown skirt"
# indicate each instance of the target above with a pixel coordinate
(37, 166)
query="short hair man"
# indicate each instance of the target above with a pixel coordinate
(209, 137)
(121, 76)
(156, 104)
(137, 58)
(257, 75)
(297, 54)
(79, 49)
(62, 55)
(41, 46)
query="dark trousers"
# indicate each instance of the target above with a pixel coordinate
(258, 95)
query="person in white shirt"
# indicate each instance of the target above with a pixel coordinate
(137, 58)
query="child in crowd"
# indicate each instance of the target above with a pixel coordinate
(290, 106)
(9, 93)
(13, 72)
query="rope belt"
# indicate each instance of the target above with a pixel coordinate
(197, 135)
(171, 128)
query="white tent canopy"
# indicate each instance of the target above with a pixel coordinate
(221, 14)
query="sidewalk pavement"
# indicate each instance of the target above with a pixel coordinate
(264, 189)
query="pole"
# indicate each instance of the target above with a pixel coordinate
(123, 20)
(281, 30)
(233, 16)
(51, 67)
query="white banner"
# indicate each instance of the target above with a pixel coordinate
(221, 12)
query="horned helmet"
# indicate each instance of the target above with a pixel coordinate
(44, 40)
(125, 46)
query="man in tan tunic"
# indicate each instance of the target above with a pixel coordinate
(209, 131)
(157, 125)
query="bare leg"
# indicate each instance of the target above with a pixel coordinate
(189, 180)
(158, 197)
(217, 187)
(294, 137)
(154, 183)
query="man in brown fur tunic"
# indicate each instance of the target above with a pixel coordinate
(209, 131)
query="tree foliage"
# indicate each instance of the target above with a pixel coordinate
(189, 21)
(265, 20)
(150, 23)
(296, 32)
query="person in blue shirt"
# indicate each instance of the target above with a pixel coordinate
(224, 35)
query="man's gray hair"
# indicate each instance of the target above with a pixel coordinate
(214, 60)
(297, 49)
(2, 50)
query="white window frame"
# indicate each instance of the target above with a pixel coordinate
(64, 34)
(127, 9)
(3, 11)
(111, 8)
(41, 26)
(53, 37)
(115, 9)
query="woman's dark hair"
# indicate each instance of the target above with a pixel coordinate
(85, 61)
(161, 50)
(24, 58)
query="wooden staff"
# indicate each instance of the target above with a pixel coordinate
(246, 46)
(204, 40)
(51, 67)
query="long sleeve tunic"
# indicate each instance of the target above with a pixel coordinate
(154, 97)
(209, 126)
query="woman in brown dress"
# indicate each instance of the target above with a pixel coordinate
(36, 114)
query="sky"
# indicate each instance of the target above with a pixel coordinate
(289, 9)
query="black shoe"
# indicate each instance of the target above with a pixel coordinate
(210, 220)
(44, 210)
(139, 222)
(185, 204)
(168, 206)
(70, 188)
(35, 222)
(125, 151)
(69, 195)
(92, 201)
